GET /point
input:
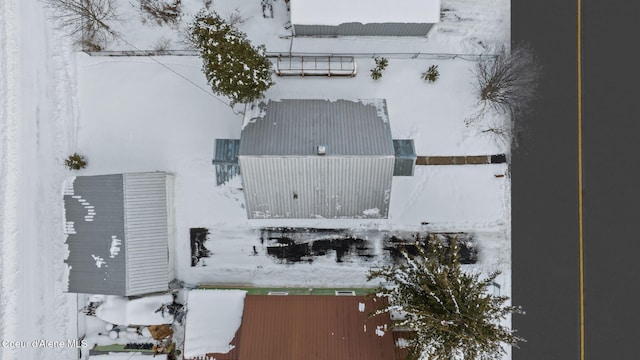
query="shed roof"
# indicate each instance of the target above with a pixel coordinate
(313, 327)
(335, 12)
(117, 233)
(295, 127)
(94, 213)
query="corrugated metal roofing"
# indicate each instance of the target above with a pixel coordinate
(117, 234)
(328, 187)
(97, 214)
(313, 327)
(284, 176)
(146, 231)
(359, 29)
(296, 127)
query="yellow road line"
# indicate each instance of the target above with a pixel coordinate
(580, 223)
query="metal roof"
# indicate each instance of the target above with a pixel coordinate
(311, 327)
(96, 209)
(334, 12)
(359, 29)
(319, 186)
(296, 127)
(117, 234)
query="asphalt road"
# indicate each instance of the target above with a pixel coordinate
(611, 196)
(545, 184)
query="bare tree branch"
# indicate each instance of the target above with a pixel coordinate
(508, 82)
(86, 20)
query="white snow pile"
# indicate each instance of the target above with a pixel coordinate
(402, 343)
(375, 212)
(335, 12)
(115, 246)
(99, 261)
(213, 317)
(127, 356)
(121, 311)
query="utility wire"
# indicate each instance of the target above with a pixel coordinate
(114, 34)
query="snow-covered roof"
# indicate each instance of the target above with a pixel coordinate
(213, 317)
(336, 12)
(121, 311)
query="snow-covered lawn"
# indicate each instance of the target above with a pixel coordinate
(131, 114)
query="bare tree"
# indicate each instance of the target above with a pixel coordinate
(506, 87)
(508, 81)
(86, 20)
(162, 12)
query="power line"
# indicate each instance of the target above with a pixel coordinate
(175, 72)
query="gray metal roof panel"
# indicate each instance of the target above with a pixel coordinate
(295, 127)
(97, 212)
(359, 29)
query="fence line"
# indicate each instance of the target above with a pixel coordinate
(390, 55)
(142, 53)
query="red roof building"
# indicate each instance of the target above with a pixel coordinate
(309, 327)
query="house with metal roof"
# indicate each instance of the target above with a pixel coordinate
(363, 17)
(275, 327)
(117, 229)
(304, 158)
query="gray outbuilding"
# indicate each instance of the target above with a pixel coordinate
(364, 17)
(117, 230)
(317, 159)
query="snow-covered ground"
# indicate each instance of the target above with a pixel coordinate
(36, 131)
(130, 114)
(163, 122)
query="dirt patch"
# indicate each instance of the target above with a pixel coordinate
(304, 244)
(294, 245)
(288, 251)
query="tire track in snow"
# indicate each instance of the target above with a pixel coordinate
(36, 105)
(47, 312)
(9, 177)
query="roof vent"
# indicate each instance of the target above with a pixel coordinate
(280, 293)
(345, 293)
(322, 149)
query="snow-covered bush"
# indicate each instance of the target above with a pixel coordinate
(381, 64)
(162, 45)
(75, 161)
(432, 74)
(233, 67)
(451, 312)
